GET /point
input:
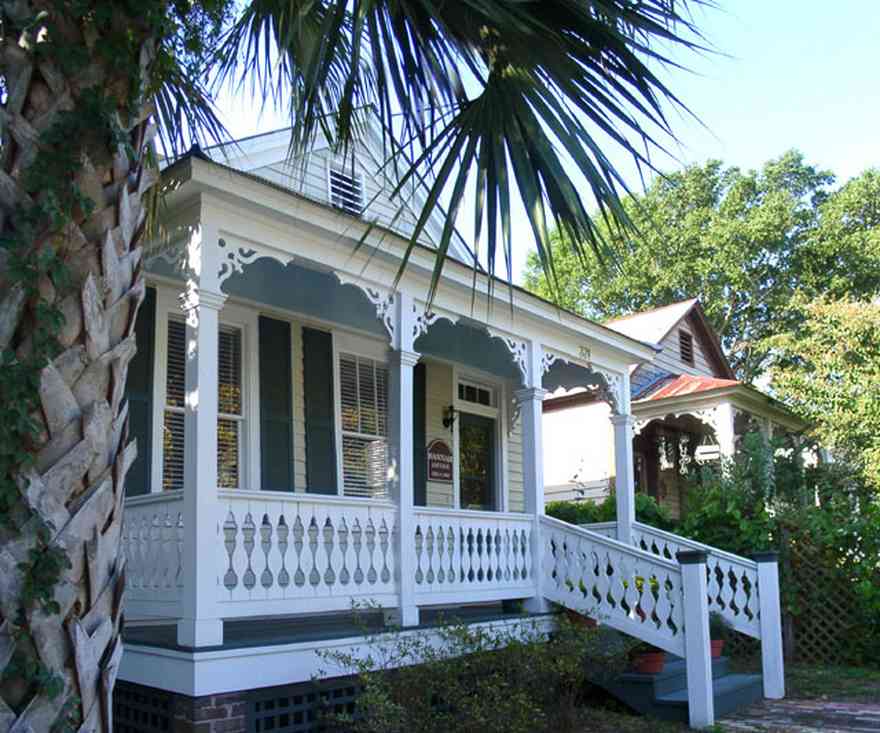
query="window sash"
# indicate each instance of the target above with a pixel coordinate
(363, 419)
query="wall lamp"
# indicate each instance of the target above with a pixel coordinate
(449, 415)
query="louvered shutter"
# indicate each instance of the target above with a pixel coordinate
(346, 190)
(276, 406)
(363, 394)
(320, 422)
(175, 385)
(139, 393)
(420, 460)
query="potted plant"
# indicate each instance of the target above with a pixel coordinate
(718, 627)
(648, 659)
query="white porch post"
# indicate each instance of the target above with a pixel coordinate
(724, 431)
(531, 404)
(697, 649)
(402, 362)
(770, 616)
(624, 481)
(200, 624)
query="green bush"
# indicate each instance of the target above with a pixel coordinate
(476, 679)
(588, 512)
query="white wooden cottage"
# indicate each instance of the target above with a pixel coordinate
(688, 409)
(312, 436)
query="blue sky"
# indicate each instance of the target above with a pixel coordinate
(789, 74)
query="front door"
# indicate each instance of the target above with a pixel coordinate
(476, 440)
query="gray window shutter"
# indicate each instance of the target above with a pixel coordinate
(139, 392)
(320, 419)
(420, 449)
(276, 406)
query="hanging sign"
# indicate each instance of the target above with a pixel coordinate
(439, 461)
(707, 453)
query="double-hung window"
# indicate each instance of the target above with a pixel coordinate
(230, 419)
(363, 387)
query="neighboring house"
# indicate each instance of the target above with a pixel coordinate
(688, 409)
(313, 436)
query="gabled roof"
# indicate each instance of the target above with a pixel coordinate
(652, 326)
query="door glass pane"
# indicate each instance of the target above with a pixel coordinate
(476, 461)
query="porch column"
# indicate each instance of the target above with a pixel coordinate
(531, 405)
(200, 624)
(724, 431)
(400, 402)
(624, 480)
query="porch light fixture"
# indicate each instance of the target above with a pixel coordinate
(449, 415)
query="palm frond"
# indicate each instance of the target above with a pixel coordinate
(509, 93)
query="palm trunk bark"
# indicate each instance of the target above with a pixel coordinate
(73, 485)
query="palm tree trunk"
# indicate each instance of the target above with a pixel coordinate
(60, 643)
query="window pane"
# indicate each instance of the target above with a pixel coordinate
(227, 454)
(172, 445)
(176, 364)
(229, 371)
(364, 463)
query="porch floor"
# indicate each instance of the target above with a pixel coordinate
(257, 632)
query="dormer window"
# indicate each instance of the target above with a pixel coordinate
(346, 189)
(686, 347)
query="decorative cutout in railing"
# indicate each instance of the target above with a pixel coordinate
(732, 581)
(152, 542)
(472, 551)
(310, 547)
(622, 587)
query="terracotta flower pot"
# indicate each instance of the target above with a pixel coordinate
(649, 662)
(717, 647)
(577, 619)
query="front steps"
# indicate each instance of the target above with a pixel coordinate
(664, 695)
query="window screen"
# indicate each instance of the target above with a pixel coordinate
(363, 387)
(346, 190)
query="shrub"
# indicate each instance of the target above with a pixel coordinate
(588, 512)
(515, 679)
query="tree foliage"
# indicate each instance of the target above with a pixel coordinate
(744, 242)
(827, 368)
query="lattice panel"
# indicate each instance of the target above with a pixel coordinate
(139, 709)
(304, 708)
(819, 602)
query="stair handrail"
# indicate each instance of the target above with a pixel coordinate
(690, 544)
(610, 584)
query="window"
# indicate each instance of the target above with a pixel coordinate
(686, 347)
(346, 190)
(476, 394)
(363, 388)
(175, 389)
(230, 414)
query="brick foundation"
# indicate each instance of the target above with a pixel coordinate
(225, 713)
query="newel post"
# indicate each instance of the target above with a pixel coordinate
(200, 623)
(697, 647)
(770, 617)
(531, 405)
(402, 364)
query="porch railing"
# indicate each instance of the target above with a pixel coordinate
(297, 553)
(465, 556)
(152, 543)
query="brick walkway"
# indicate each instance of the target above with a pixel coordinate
(805, 716)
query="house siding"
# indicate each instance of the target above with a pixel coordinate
(516, 501)
(438, 396)
(670, 360)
